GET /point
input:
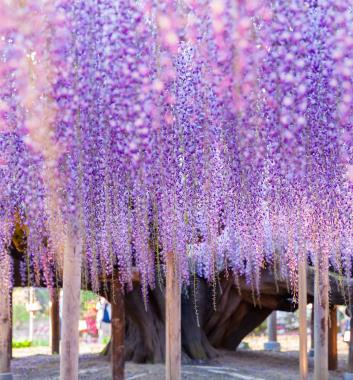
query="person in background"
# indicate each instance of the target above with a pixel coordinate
(90, 321)
(103, 319)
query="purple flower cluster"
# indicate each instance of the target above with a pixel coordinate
(220, 131)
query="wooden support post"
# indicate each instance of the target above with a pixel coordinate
(332, 340)
(31, 313)
(173, 321)
(11, 324)
(118, 332)
(349, 374)
(311, 352)
(350, 354)
(54, 314)
(71, 309)
(5, 324)
(272, 327)
(302, 294)
(272, 344)
(321, 306)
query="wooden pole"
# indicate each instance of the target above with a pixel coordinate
(71, 309)
(350, 354)
(54, 314)
(5, 323)
(31, 313)
(311, 352)
(272, 344)
(321, 307)
(332, 340)
(173, 322)
(11, 324)
(118, 332)
(302, 294)
(272, 327)
(349, 374)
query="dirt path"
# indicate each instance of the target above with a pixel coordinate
(243, 365)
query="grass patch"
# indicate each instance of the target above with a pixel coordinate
(28, 344)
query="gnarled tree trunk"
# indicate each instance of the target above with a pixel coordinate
(204, 328)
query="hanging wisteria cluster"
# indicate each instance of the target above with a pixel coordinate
(216, 130)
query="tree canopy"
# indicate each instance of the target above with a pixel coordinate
(218, 130)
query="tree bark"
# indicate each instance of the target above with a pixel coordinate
(203, 329)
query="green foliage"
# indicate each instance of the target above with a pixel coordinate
(20, 314)
(88, 299)
(260, 330)
(28, 344)
(42, 295)
(105, 340)
(40, 343)
(21, 344)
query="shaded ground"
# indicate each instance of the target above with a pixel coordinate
(244, 364)
(255, 364)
